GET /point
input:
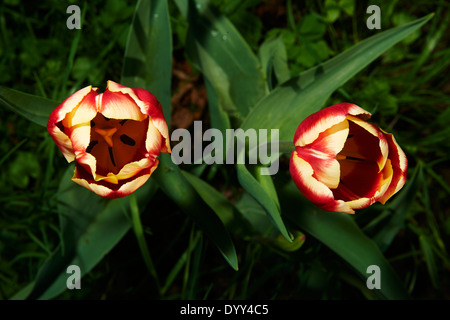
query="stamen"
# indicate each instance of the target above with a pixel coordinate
(127, 140)
(91, 145)
(111, 155)
(107, 134)
(344, 157)
(354, 158)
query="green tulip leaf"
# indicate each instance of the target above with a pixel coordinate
(219, 117)
(33, 108)
(91, 227)
(217, 49)
(176, 186)
(306, 93)
(273, 56)
(213, 198)
(265, 195)
(90, 224)
(148, 61)
(386, 226)
(148, 55)
(340, 233)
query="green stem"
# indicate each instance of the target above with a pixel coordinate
(139, 232)
(283, 147)
(286, 146)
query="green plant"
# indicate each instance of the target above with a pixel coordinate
(265, 80)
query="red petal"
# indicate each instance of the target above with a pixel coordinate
(310, 128)
(399, 165)
(148, 105)
(116, 105)
(111, 190)
(318, 193)
(69, 105)
(368, 142)
(321, 154)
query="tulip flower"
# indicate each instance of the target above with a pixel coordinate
(342, 162)
(114, 137)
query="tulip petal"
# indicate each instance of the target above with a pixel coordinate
(148, 105)
(135, 183)
(385, 181)
(58, 131)
(89, 163)
(133, 168)
(153, 143)
(153, 108)
(368, 142)
(360, 203)
(128, 171)
(69, 104)
(116, 105)
(316, 123)
(341, 162)
(399, 167)
(80, 137)
(96, 188)
(129, 142)
(112, 191)
(380, 188)
(83, 113)
(62, 142)
(115, 137)
(303, 175)
(359, 179)
(321, 154)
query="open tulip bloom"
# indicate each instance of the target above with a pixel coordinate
(115, 137)
(341, 162)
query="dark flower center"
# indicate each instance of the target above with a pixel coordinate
(358, 165)
(116, 142)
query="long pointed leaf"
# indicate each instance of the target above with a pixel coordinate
(257, 191)
(33, 108)
(287, 105)
(393, 218)
(218, 50)
(273, 56)
(340, 233)
(148, 56)
(171, 180)
(291, 102)
(91, 227)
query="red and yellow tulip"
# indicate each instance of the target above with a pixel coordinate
(342, 162)
(114, 137)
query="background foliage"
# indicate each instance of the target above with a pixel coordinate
(406, 89)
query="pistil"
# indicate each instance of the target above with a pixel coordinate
(107, 134)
